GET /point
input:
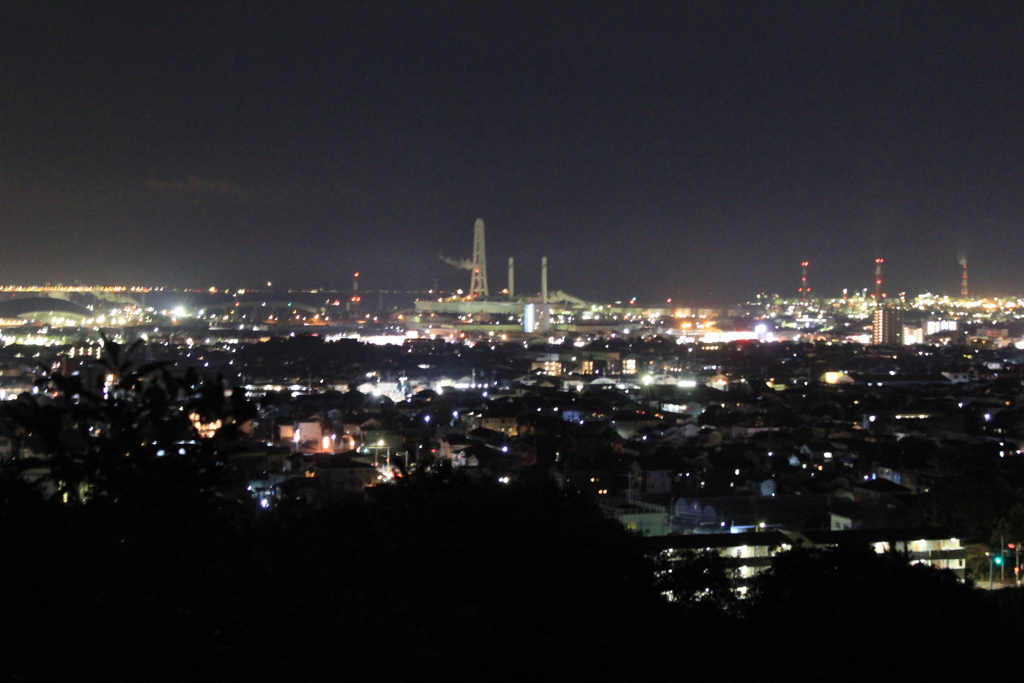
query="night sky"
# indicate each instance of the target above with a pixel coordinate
(698, 151)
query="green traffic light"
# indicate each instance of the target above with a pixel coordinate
(997, 559)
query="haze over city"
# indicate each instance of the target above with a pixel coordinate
(699, 151)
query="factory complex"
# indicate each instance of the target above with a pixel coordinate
(67, 314)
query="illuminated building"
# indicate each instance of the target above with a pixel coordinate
(888, 326)
(913, 335)
(529, 318)
(939, 326)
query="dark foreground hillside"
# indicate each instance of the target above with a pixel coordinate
(443, 577)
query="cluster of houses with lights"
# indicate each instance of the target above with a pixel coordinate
(672, 440)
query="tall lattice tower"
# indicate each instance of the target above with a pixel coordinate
(805, 291)
(963, 277)
(478, 286)
(878, 280)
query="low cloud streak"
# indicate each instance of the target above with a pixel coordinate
(194, 186)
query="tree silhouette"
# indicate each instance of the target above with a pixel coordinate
(850, 599)
(133, 428)
(699, 579)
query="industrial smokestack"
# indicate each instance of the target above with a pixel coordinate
(353, 302)
(543, 279)
(478, 285)
(511, 277)
(805, 291)
(963, 277)
(878, 280)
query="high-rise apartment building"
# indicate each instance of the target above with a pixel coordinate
(888, 330)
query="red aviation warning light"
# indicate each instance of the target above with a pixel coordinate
(878, 278)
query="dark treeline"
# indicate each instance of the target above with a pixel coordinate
(437, 575)
(443, 576)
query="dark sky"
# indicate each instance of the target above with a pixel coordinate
(680, 149)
